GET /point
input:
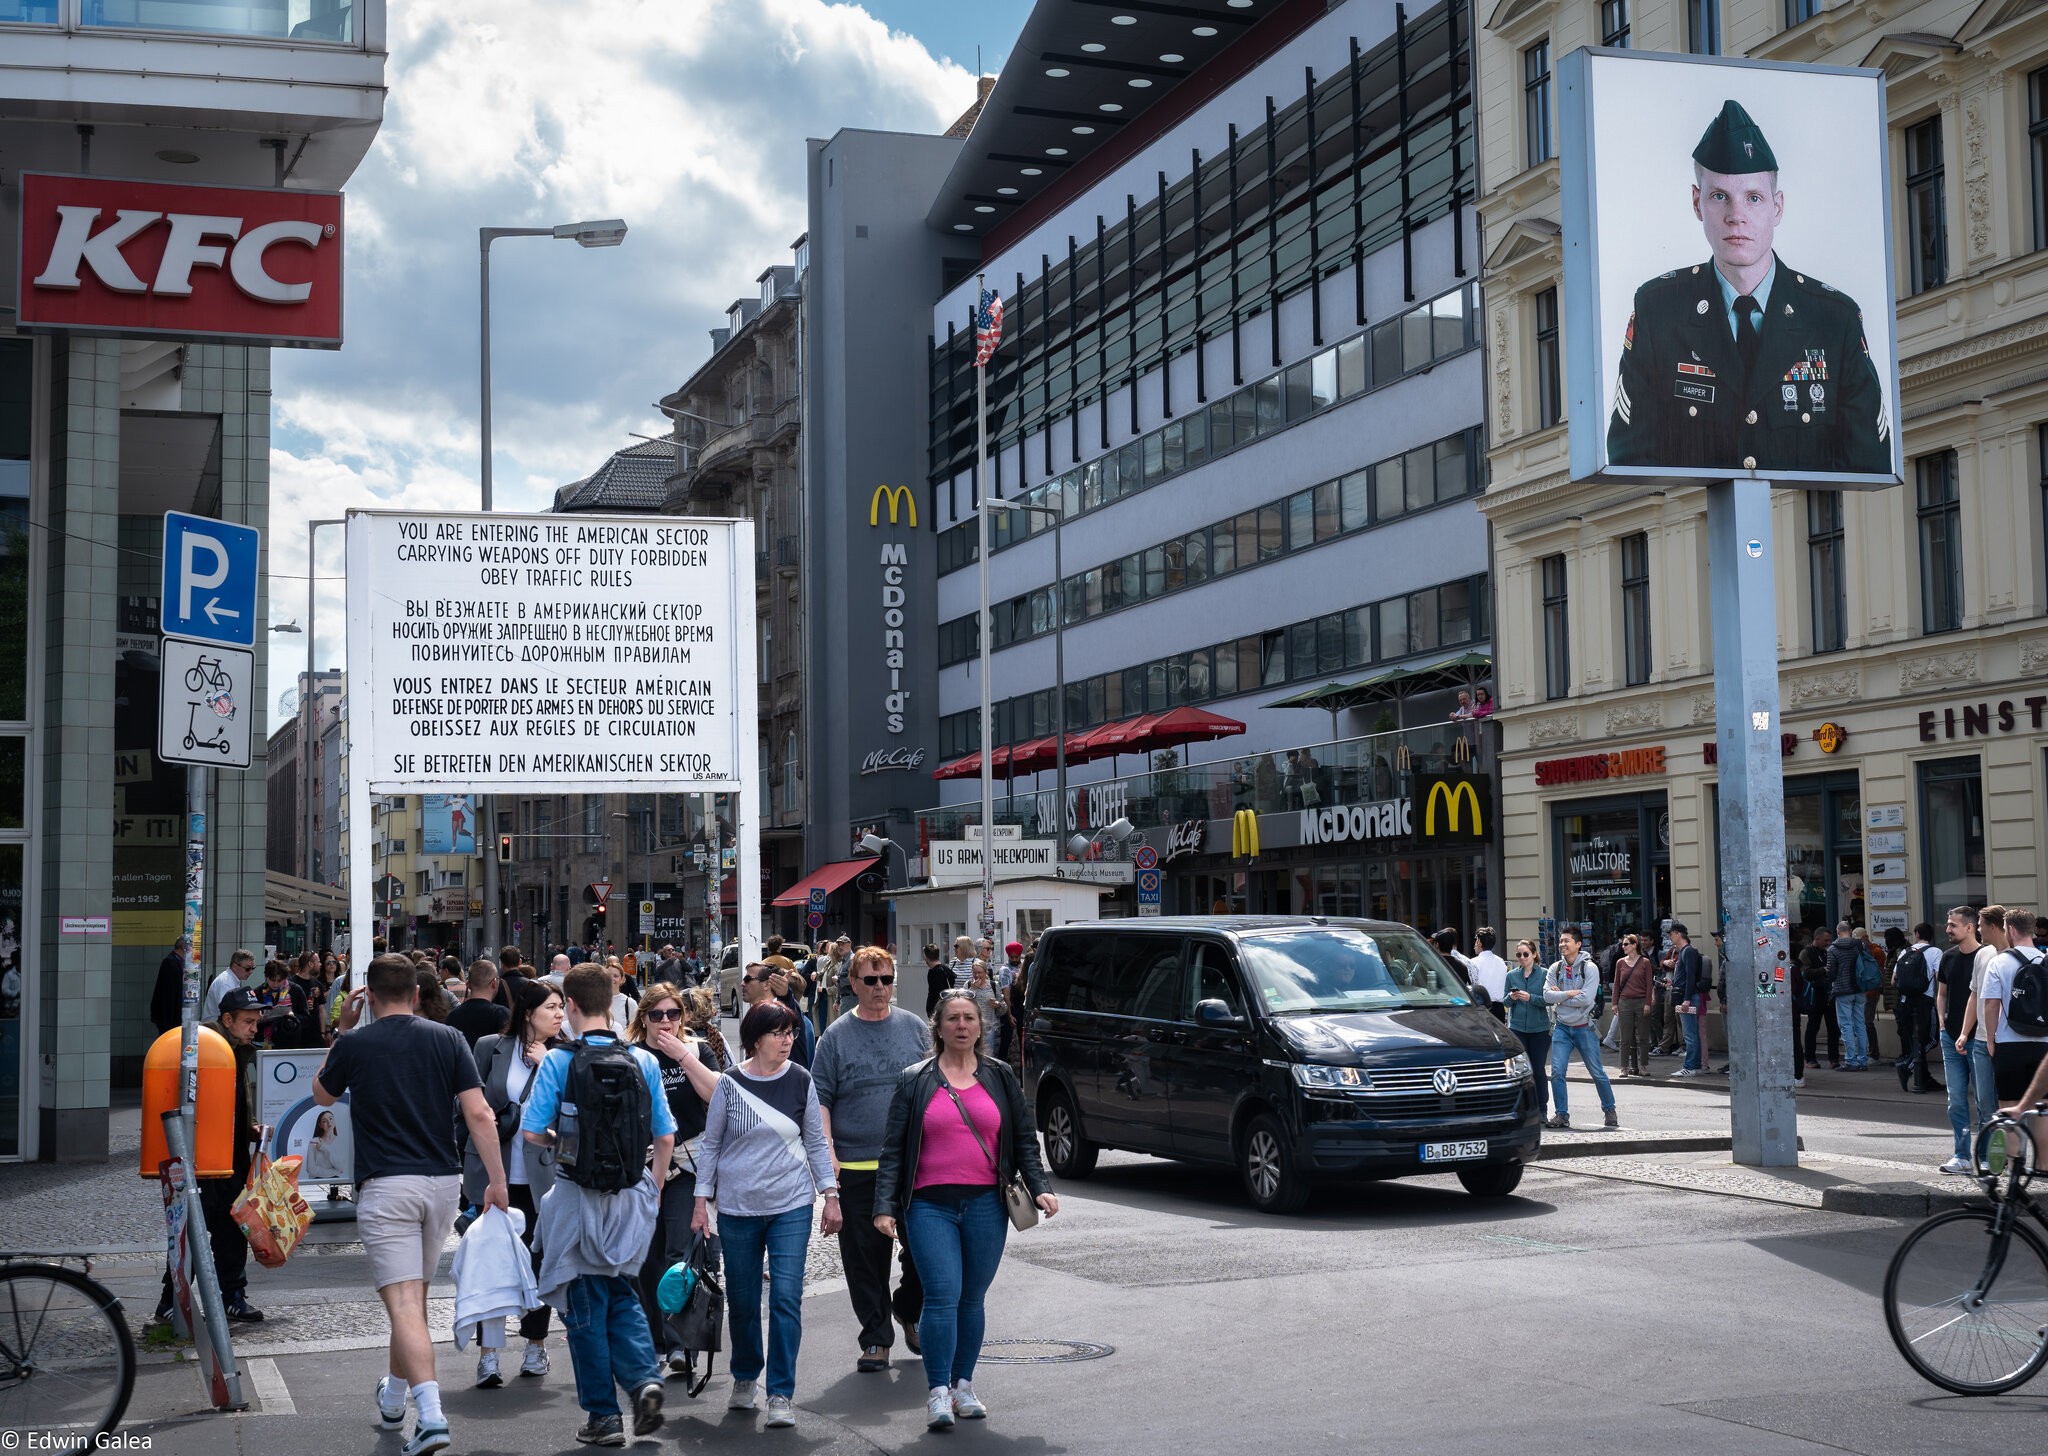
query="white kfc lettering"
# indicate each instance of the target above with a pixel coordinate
(76, 244)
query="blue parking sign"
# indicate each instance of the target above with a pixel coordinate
(209, 580)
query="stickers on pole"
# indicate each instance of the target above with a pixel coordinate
(548, 653)
(203, 704)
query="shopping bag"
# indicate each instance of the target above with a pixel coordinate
(270, 1210)
(696, 1324)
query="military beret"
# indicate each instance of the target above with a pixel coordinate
(1733, 145)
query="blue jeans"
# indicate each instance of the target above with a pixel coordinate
(1855, 1034)
(1962, 1116)
(1695, 1041)
(609, 1345)
(1983, 1084)
(782, 1237)
(1563, 1040)
(956, 1247)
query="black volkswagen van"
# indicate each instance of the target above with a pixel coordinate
(1286, 1046)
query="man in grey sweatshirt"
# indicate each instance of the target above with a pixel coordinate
(1571, 987)
(856, 1067)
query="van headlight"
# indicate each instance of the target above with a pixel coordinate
(1519, 1067)
(1317, 1076)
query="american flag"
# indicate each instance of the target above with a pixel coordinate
(988, 326)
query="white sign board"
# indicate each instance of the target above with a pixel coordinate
(547, 654)
(1885, 843)
(1887, 869)
(1886, 894)
(958, 861)
(205, 704)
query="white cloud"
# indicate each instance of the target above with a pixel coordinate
(686, 118)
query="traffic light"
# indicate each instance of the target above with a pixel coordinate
(598, 911)
(504, 849)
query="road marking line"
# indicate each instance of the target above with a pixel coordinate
(268, 1382)
(1544, 1245)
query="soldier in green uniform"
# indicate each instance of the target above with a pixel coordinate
(1741, 363)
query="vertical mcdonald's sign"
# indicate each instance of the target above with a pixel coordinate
(1454, 808)
(1244, 834)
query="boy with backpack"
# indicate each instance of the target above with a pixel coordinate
(1913, 977)
(2014, 1003)
(599, 1105)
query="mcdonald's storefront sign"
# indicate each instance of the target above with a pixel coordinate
(900, 501)
(1454, 810)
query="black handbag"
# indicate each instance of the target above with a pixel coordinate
(512, 1113)
(700, 1324)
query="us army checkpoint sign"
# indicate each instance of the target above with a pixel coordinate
(1727, 271)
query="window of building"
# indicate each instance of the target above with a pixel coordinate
(1941, 551)
(2037, 150)
(1557, 655)
(1614, 23)
(2043, 453)
(1536, 101)
(1798, 12)
(1549, 377)
(1635, 608)
(1926, 220)
(1703, 27)
(1952, 835)
(1824, 565)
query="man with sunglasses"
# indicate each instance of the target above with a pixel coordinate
(855, 1069)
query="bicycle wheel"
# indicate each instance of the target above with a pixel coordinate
(1961, 1342)
(67, 1361)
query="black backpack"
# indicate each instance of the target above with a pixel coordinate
(698, 1326)
(606, 1118)
(1911, 973)
(2026, 1006)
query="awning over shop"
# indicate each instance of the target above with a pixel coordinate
(827, 878)
(286, 897)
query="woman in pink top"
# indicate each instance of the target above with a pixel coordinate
(959, 1130)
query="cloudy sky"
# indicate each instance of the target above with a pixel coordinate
(687, 118)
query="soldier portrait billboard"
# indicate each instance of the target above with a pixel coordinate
(1728, 276)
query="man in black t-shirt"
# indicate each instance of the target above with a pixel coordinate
(1951, 1002)
(480, 1015)
(401, 1074)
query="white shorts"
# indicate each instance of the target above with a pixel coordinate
(404, 1219)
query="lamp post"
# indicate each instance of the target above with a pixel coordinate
(1058, 515)
(604, 233)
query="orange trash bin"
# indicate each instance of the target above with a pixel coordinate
(215, 1114)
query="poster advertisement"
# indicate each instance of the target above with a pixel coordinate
(1728, 272)
(321, 1136)
(447, 824)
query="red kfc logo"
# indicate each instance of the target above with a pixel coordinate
(168, 260)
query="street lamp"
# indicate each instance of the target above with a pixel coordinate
(1058, 516)
(876, 845)
(604, 233)
(1115, 833)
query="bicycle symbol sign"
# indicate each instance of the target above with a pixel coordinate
(203, 700)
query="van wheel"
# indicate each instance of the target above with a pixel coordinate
(1271, 1175)
(1491, 1180)
(1067, 1153)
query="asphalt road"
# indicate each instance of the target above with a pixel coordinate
(1582, 1315)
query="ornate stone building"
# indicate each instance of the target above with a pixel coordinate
(1911, 620)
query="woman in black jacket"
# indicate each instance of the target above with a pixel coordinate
(959, 1130)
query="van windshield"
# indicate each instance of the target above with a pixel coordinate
(1336, 968)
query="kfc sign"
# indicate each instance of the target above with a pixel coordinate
(168, 260)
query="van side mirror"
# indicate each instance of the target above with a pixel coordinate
(1216, 1013)
(1480, 995)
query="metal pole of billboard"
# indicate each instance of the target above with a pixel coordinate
(309, 716)
(1752, 823)
(746, 816)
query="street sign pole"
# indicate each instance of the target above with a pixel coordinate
(1743, 588)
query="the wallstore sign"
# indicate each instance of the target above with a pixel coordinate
(110, 256)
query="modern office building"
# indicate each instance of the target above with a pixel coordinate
(1241, 365)
(102, 429)
(1912, 640)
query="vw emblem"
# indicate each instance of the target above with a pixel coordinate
(1445, 1081)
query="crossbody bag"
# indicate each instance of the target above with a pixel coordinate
(1017, 1200)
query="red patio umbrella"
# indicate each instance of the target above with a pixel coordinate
(964, 767)
(1177, 726)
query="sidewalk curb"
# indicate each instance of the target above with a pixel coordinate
(1895, 1200)
(1625, 1146)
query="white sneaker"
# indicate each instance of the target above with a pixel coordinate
(1955, 1165)
(388, 1418)
(938, 1409)
(487, 1376)
(742, 1397)
(966, 1404)
(1798, 1083)
(779, 1413)
(534, 1361)
(1686, 1072)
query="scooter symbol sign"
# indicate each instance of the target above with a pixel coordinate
(203, 704)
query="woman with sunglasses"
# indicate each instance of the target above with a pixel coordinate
(960, 1129)
(1635, 993)
(858, 1060)
(690, 1066)
(1529, 1015)
(765, 1159)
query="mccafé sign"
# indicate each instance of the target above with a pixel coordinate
(169, 260)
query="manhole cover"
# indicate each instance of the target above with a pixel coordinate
(1042, 1352)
